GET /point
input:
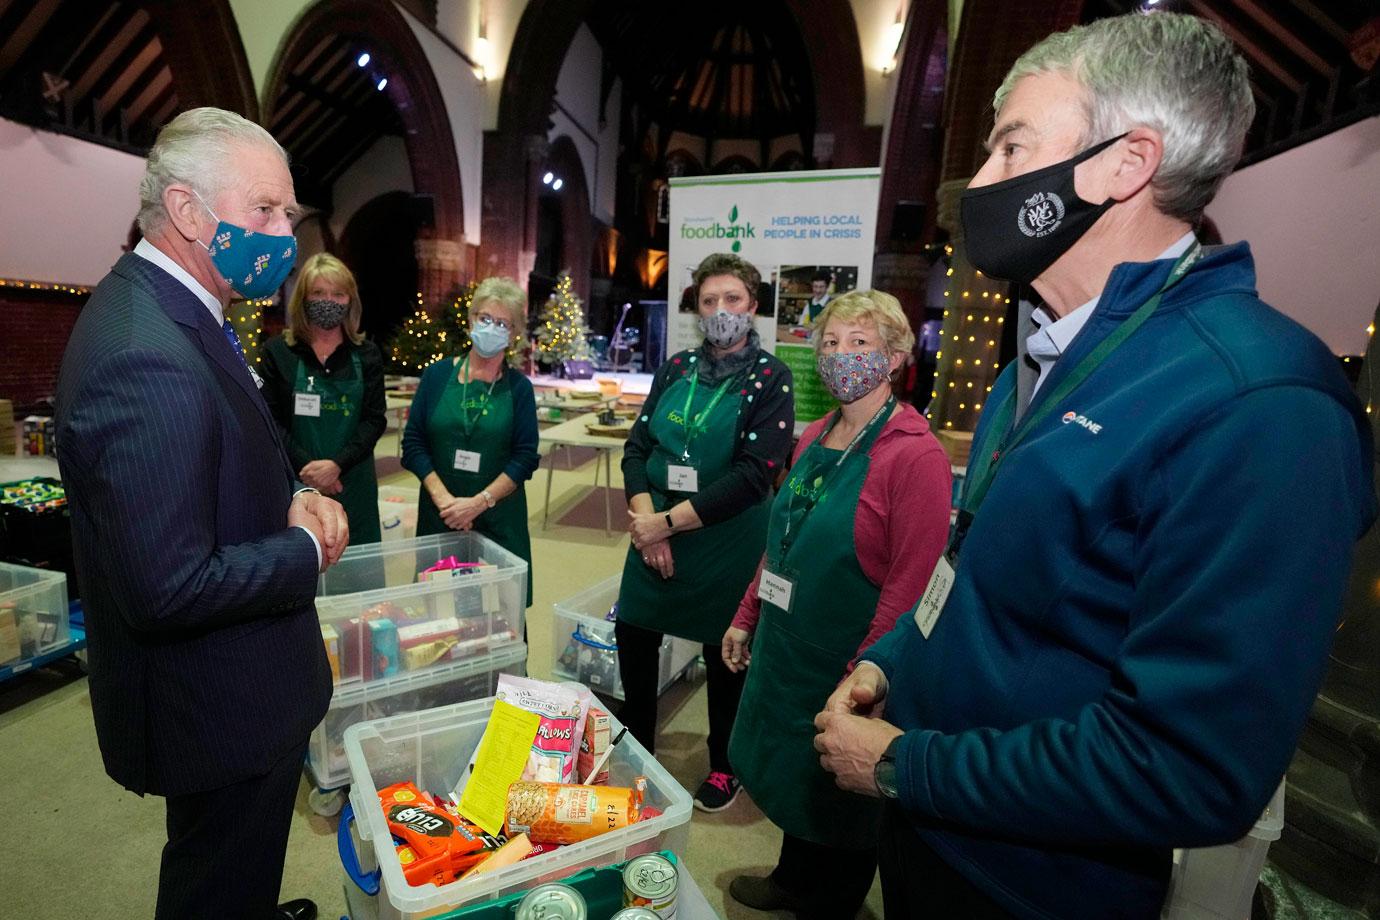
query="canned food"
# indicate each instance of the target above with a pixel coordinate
(650, 881)
(636, 913)
(552, 902)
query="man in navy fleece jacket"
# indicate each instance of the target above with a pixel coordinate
(1150, 566)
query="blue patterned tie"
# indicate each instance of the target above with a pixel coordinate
(234, 341)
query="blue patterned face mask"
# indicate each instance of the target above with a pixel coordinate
(253, 264)
(852, 375)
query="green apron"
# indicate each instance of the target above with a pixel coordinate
(800, 655)
(478, 417)
(322, 437)
(715, 564)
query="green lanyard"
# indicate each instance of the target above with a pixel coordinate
(986, 463)
(695, 427)
(467, 421)
(787, 541)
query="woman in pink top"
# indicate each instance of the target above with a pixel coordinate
(854, 535)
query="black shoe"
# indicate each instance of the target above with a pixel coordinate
(298, 909)
(717, 792)
(764, 894)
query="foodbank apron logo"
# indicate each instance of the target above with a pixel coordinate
(733, 230)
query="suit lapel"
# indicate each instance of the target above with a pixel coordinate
(186, 309)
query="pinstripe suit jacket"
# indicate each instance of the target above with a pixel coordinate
(206, 659)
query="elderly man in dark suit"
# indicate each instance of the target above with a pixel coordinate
(196, 551)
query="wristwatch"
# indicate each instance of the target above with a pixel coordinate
(488, 498)
(885, 770)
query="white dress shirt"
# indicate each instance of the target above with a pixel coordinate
(1052, 337)
(148, 251)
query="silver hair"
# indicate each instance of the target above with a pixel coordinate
(193, 149)
(1172, 72)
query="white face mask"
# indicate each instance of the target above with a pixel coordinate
(723, 329)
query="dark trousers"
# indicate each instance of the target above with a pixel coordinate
(835, 881)
(918, 885)
(225, 849)
(639, 664)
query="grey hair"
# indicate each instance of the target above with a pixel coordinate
(193, 150)
(1172, 72)
(507, 293)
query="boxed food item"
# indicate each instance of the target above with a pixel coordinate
(593, 746)
(331, 639)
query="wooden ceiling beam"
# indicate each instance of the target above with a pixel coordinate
(1321, 19)
(26, 33)
(1288, 39)
(160, 84)
(82, 85)
(147, 59)
(1247, 44)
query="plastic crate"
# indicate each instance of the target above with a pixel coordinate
(432, 748)
(398, 512)
(1218, 883)
(379, 622)
(33, 613)
(585, 648)
(457, 682)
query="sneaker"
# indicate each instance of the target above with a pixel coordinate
(717, 792)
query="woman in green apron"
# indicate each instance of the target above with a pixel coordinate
(698, 469)
(471, 435)
(324, 383)
(853, 537)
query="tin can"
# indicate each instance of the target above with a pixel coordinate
(552, 902)
(650, 881)
(636, 913)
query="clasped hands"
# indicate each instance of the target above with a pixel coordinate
(322, 475)
(325, 518)
(459, 513)
(852, 733)
(652, 538)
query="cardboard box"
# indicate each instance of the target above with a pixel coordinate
(9, 635)
(7, 439)
(956, 444)
(593, 745)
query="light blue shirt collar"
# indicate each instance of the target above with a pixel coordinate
(152, 253)
(1052, 337)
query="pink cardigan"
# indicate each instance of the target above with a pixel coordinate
(901, 525)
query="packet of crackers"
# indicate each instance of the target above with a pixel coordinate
(566, 813)
(438, 845)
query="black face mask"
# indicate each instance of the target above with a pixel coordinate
(1016, 229)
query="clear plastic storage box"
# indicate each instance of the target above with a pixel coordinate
(383, 617)
(33, 613)
(1218, 883)
(398, 512)
(432, 748)
(457, 682)
(586, 649)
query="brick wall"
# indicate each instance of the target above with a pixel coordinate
(34, 327)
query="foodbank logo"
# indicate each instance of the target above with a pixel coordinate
(733, 230)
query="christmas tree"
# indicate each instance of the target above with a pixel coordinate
(561, 329)
(420, 342)
(247, 316)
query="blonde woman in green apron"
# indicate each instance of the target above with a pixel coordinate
(853, 537)
(471, 435)
(698, 470)
(324, 384)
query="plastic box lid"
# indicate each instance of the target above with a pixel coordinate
(432, 748)
(359, 567)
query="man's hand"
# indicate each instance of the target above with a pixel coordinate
(321, 474)
(658, 558)
(326, 519)
(862, 693)
(736, 651)
(647, 529)
(461, 512)
(850, 747)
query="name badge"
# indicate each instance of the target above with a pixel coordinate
(467, 461)
(307, 404)
(936, 593)
(682, 478)
(775, 590)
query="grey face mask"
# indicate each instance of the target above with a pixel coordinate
(723, 329)
(325, 314)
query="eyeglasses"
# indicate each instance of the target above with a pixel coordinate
(488, 319)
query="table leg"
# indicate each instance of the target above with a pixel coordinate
(550, 469)
(608, 492)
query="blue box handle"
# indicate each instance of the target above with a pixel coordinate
(579, 636)
(369, 884)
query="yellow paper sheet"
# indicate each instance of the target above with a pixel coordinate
(502, 756)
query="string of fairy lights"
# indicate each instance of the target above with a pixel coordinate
(20, 284)
(971, 333)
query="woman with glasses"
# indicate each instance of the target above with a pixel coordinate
(471, 435)
(323, 381)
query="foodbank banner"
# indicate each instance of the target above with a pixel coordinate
(807, 232)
